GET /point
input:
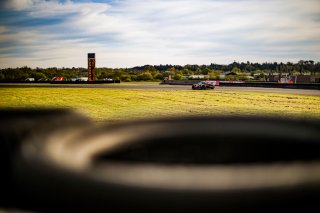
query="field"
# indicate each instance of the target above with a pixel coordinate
(112, 104)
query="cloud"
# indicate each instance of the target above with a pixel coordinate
(134, 32)
(18, 4)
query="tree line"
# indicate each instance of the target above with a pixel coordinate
(159, 72)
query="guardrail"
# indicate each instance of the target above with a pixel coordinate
(61, 82)
(314, 86)
(85, 82)
(272, 85)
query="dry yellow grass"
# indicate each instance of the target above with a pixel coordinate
(119, 104)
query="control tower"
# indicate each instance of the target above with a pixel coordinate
(91, 66)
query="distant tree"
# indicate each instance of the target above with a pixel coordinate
(160, 71)
(236, 70)
(198, 70)
(101, 75)
(2, 77)
(38, 75)
(134, 77)
(125, 78)
(300, 66)
(172, 70)
(177, 76)
(146, 76)
(231, 78)
(179, 72)
(205, 71)
(117, 74)
(317, 68)
(185, 72)
(16, 74)
(158, 76)
(150, 69)
(166, 74)
(242, 77)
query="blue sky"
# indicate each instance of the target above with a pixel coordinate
(127, 33)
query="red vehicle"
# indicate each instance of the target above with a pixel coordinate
(57, 78)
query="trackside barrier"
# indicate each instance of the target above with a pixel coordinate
(314, 86)
(85, 82)
(61, 82)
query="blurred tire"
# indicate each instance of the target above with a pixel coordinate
(186, 164)
(15, 127)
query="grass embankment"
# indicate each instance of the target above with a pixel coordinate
(115, 104)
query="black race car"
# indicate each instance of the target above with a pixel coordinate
(203, 85)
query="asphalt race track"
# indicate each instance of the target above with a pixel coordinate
(152, 86)
(272, 90)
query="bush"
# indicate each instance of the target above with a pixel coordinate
(134, 77)
(184, 79)
(2, 77)
(145, 76)
(125, 78)
(38, 75)
(158, 76)
(231, 78)
(177, 77)
(243, 78)
(214, 77)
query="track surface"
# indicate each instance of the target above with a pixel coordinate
(154, 86)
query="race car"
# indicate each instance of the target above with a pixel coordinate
(203, 85)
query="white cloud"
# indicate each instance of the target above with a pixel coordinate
(136, 32)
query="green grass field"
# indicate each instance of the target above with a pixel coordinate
(119, 104)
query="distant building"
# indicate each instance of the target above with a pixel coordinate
(224, 74)
(198, 76)
(91, 67)
(308, 78)
(297, 79)
(30, 79)
(276, 77)
(256, 76)
(83, 79)
(273, 78)
(79, 79)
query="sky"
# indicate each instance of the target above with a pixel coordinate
(128, 33)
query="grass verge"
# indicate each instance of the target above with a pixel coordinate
(115, 104)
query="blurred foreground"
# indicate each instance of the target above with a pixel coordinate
(59, 161)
